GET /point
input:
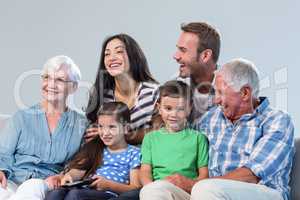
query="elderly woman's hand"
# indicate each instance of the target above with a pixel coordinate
(3, 180)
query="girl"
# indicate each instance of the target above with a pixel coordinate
(123, 75)
(108, 158)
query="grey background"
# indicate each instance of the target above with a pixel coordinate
(265, 32)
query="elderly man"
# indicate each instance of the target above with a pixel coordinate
(251, 144)
(37, 141)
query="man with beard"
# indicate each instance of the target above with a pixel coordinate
(198, 49)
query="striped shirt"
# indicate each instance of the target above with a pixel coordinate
(142, 111)
(262, 142)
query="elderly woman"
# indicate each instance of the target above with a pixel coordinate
(37, 141)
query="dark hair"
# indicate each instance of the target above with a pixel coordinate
(118, 109)
(209, 37)
(90, 155)
(176, 89)
(104, 81)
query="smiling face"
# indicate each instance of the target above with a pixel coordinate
(189, 59)
(230, 100)
(186, 54)
(184, 71)
(111, 131)
(115, 58)
(174, 112)
(56, 86)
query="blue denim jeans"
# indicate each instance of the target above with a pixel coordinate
(130, 195)
(77, 194)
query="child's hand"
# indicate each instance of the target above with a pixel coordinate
(67, 178)
(53, 182)
(100, 183)
(181, 182)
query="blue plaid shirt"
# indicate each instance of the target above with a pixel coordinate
(262, 141)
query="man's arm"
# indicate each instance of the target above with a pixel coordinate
(273, 152)
(241, 174)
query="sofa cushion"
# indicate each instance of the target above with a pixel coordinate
(295, 175)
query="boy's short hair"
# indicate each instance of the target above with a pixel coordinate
(176, 89)
(118, 109)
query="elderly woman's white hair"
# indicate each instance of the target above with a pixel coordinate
(58, 62)
(240, 72)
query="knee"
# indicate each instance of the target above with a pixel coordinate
(132, 195)
(33, 185)
(207, 189)
(144, 191)
(56, 194)
(203, 185)
(154, 188)
(73, 194)
(5, 193)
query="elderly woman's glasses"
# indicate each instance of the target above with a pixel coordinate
(56, 80)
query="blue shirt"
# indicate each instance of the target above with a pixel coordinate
(28, 150)
(262, 142)
(117, 166)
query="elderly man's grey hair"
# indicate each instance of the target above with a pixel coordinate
(240, 72)
(59, 62)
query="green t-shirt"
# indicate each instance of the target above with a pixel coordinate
(183, 152)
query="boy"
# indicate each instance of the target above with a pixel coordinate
(173, 149)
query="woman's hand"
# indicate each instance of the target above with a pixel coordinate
(100, 183)
(91, 133)
(3, 180)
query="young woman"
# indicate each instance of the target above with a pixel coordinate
(123, 75)
(108, 158)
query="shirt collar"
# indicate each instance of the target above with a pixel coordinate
(263, 105)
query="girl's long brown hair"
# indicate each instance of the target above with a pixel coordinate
(90, 155)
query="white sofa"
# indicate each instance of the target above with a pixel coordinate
(295, 175)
